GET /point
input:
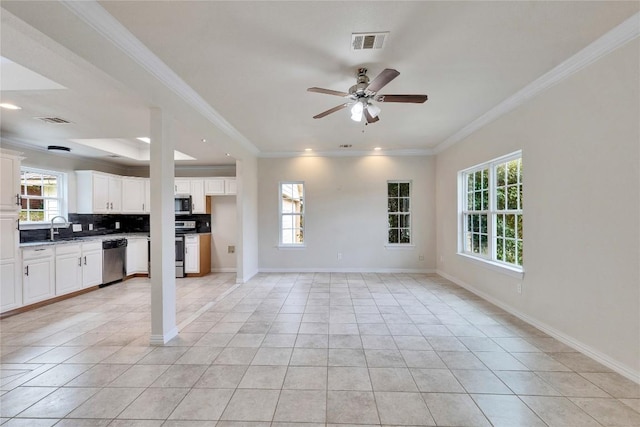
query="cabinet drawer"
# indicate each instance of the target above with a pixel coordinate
(92, 246)
(68, 249)
(34, 253)
(191, 239)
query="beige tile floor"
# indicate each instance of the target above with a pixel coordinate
(311, 349)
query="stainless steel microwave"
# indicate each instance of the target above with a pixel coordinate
(183, 204)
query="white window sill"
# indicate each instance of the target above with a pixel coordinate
(399, 247)
(290, 247)
(495, 266)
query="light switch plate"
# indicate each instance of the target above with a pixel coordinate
(77, 227)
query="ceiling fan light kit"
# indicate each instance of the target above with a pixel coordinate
(361, 95)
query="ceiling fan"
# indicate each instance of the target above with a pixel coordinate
(361, 95)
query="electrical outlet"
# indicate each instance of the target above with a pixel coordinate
(339, 256)
(90, 227)
(231, 249)
(117, 225)
(77, 227)
(519, 288)
(441, 258)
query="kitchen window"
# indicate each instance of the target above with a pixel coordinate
(292, 213)
(491, 220)
(42, 195)
(399, 212)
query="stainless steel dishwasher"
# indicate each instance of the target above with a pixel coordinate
(114, 260)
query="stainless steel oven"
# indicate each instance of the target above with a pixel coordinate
(182, 227)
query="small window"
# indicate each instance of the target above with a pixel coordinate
(491, 221)
(399, 212)
(292, 213)
(42, 195)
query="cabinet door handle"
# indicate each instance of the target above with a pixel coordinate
(85, 260)
(143, 207)
(111, 205)
(18, 200)
(26, 270)
(39, 249)
(18, 224)
(107, 206)
(80, 262)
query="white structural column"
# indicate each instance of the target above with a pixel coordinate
(162, 221)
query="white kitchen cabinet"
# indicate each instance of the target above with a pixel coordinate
(98, 193)
(182, 186)
(214, 186)
(9, 181)
(137, 255)
(192, 254)
(230, 186)
(147, 195)
(197, 254)
(38, 277)
(198, 198)
(91, 264)
(10, 277)
(220, 186)
(134, 195)
(68, 268)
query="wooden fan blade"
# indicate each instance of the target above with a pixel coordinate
(381, 80)
(369, 118)
(327, 91)
(414, 99)
(332, 110)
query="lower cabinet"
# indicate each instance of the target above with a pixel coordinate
(38, 277)
(197, 257)
(10, 280)
(137, 255)
(91, 264)
(68, 268)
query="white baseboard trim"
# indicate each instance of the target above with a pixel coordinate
(163, 339)
(349, 270)
(598, 356)
(224, 270)
(246, 278)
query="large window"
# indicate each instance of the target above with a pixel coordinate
(42, 195)
(399, 212)
(491, 214)
(292, 213)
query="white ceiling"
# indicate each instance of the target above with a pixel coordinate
(253, 61)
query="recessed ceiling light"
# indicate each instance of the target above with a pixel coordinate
(308, 149)
(227, 154)
(10, 106)
(378, 148)
(204, 140)
(144, 139)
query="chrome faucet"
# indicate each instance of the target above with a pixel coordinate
(52, 233)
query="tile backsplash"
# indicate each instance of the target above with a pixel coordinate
(106, 224)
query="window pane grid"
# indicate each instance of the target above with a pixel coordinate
(41, 195)
(399, 212)
(291, 213)
(492, 218)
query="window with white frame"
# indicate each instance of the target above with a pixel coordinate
(42, 195)
(491, 211)
(399, 212)
(292, 213)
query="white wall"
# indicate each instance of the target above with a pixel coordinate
(223, 232)
(346, 212)
(580, 142)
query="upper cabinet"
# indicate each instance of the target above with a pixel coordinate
(182, 186)
(98, 193)
(9, 182)
(135, 195)
(220, 186)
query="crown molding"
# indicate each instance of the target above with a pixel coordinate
(347, 153)
(615, 38)
(94, 15)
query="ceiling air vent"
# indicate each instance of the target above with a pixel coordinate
(346, 145)
(54, 120)
(368, 41)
